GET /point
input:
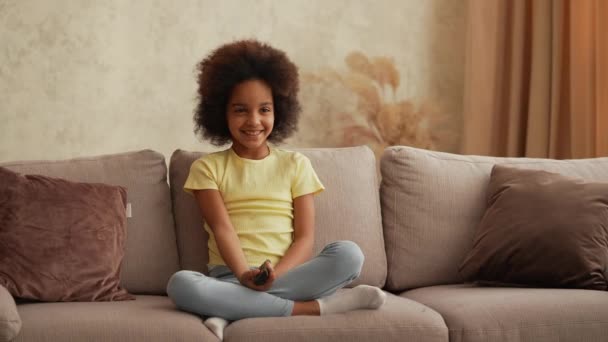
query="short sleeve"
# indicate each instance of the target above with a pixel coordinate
(202, 176)
(305, 180)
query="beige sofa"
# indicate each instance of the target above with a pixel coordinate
(414, 229)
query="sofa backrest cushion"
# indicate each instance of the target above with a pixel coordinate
(432, 203)
(61, 241)
(151, 252)
(349, 208)
(541, 229)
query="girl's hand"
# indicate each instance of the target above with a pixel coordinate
(247, 278)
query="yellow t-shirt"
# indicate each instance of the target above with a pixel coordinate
(258, 195)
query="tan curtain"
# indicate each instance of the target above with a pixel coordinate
(536, 78)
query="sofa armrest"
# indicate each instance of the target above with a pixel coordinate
(10, 322)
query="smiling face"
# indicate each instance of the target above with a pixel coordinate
(250, 116)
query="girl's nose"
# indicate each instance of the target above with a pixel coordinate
(254, 118)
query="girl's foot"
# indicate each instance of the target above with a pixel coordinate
(360, 297)
(216, 325)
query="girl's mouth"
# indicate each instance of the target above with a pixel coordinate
(252, 133)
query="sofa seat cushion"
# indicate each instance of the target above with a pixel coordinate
(400, 319)
(148, 318)
(476, 314)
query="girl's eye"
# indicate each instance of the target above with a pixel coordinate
(266, 109)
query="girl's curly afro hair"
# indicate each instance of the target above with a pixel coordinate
(240, 61)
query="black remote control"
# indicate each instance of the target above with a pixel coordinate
(262, 277)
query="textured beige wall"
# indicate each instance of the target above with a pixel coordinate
(85, 77)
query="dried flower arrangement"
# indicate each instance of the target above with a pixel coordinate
(360, 106)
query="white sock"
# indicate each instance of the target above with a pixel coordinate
(216, 325)
(360, 297)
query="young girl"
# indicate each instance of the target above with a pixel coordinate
(257, 201)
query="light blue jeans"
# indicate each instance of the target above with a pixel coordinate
(221, 295)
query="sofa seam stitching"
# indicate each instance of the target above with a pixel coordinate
(377, 186)
(526, 326)
(394, 225)
(350, 329)
(551, 161)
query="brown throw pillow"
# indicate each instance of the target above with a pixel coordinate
(61, 240)
(541, 229)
